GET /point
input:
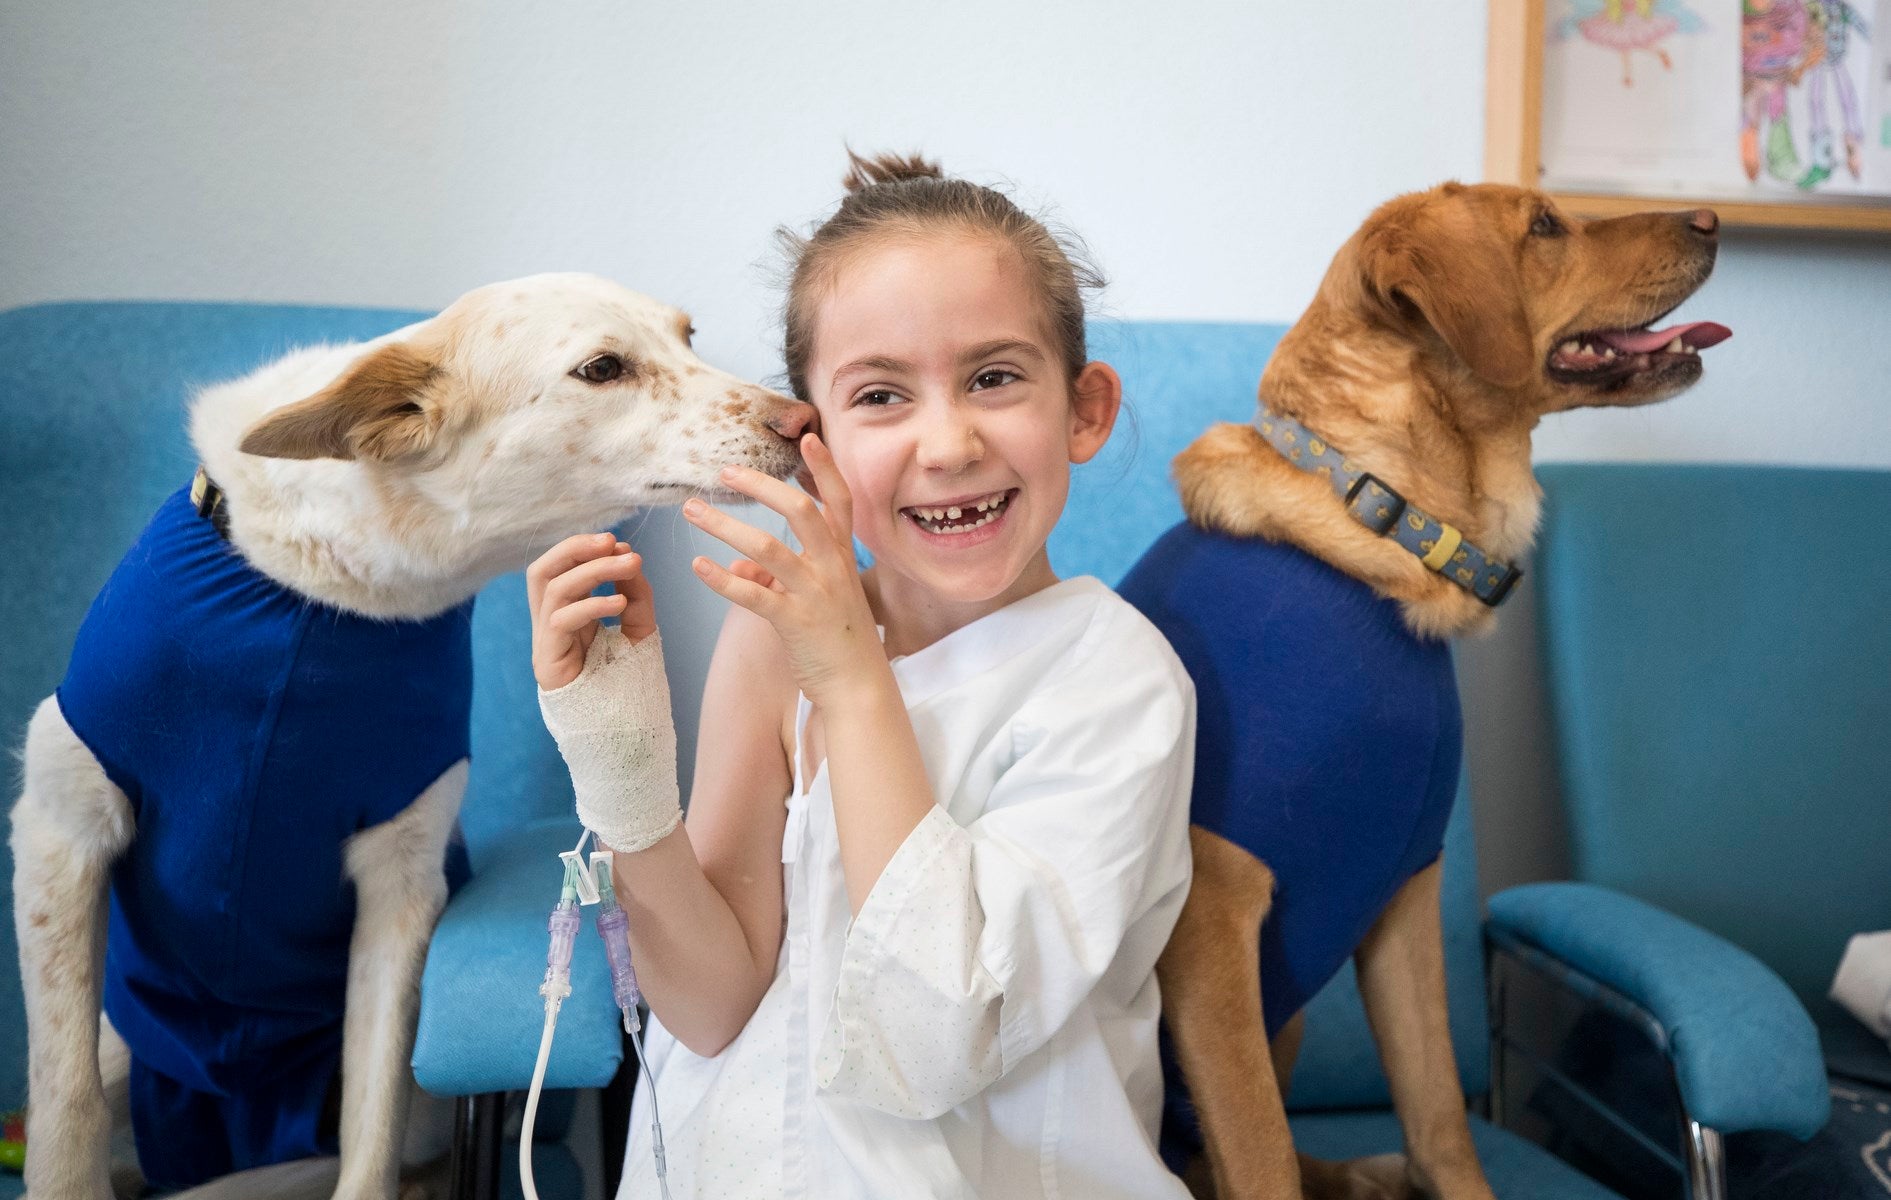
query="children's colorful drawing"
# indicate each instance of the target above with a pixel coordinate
(1799, 44)
(1625, 28)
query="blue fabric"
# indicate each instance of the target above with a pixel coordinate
(1328, 741)
(92, 439)
(1715, 645)
(1729, 1019)
(253, 733)
(480, 1013)
(1338, 1066)
(1517, 1169)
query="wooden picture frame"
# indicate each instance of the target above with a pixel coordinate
(1513, 142)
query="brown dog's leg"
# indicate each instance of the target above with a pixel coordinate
(1211, 1001)
(1362, 1179)
(1402, 980)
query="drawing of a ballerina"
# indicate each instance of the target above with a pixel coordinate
(1777, 46)
(1612, 25)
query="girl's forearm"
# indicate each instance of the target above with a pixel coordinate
(878, 778)
(694, 963)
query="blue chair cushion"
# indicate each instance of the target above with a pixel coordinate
(1178, 378)
(1715, 647)
(1730, 1021)
(480, 1011)
(1517, 1169)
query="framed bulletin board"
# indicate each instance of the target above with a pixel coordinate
(1776, 113)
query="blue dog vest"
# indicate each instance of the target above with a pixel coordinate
(253, 731)
(1327, 744)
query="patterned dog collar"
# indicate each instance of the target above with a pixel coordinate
(1374, 504)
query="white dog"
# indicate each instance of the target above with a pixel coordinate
(363, 494)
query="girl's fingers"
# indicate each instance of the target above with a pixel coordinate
(573, 617)
(761, 601)
(804, 515)
(783, 563)
(585, 578)
(565, 555)
(837, 502)
(744, 569)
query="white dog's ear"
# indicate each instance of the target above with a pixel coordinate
(381, 408)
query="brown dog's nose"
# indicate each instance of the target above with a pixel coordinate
(1704, 220)
(792, 420)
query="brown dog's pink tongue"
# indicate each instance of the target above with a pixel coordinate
(1698, 334)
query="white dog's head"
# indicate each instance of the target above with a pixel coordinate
(551, 404)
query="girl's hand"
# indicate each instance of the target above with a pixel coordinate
(564, 612)
(814, 598)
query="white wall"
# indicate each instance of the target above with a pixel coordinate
(1213, 156)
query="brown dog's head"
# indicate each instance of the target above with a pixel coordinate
(1521, 310)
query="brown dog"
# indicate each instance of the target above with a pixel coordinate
(1445, 329)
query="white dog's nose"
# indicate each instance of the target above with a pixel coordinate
(792, 420)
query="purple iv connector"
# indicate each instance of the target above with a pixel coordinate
(614, 928)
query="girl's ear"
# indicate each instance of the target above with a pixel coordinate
(1096, 396)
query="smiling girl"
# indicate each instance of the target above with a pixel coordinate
(905, 945)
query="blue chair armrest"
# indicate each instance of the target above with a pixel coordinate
(1745, 1052)
(480, 1011)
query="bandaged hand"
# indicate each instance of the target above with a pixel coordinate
(613, 726)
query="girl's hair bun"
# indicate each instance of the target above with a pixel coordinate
(887, 168)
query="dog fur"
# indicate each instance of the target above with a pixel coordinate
(393, 479)
(1429, 354)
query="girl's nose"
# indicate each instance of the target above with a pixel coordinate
(950, 442)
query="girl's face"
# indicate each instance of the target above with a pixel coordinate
(948, 413)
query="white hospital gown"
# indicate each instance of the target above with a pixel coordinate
(986, 1028)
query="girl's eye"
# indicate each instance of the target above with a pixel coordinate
(877, 398)
(602, 369)
(992, 379)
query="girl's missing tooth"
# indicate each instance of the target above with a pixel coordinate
(905, 943)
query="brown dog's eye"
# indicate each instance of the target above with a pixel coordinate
(602, 369)
(1545, 225)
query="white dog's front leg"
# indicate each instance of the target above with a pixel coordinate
(71, 822)
(400, 888)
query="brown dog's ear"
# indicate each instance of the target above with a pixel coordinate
(1465, 287)
(376, 410)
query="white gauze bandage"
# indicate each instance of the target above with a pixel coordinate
(613, 725)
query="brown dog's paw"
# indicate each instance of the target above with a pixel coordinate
(1381, 1177)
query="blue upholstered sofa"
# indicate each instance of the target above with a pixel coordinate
(92, 437)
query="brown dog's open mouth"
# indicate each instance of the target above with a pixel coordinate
(1612, 357)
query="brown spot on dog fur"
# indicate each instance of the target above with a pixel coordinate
(597, 460)
(39, 919)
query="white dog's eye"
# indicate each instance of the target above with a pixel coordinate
(602, 369)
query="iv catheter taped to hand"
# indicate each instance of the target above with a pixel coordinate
(613, 726)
